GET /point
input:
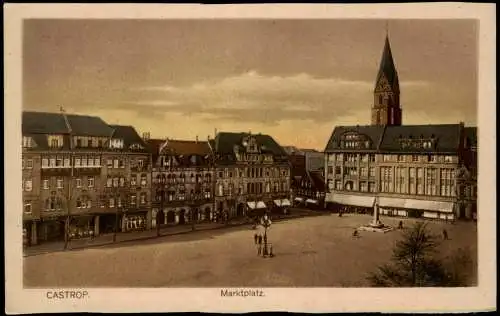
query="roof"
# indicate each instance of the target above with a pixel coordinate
(446, 136)
(43, 123)
(88, 126)
(225, 142)
(387, 67)
(373, 132)
(153, 145)
(55, 123)
(129, 136)
(187, 147)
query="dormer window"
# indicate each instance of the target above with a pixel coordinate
(28, 142)
(55, 141)
(135, 146)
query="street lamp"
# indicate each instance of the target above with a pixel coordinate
(266, 223)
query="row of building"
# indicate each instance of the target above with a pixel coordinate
(83, 177)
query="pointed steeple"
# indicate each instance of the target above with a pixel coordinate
(387, 68)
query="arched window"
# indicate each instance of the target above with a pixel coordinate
(380, 99)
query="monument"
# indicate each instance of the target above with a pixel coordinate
(375, 224)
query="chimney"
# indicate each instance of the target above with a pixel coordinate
(215, 132)
(146, 136)
(197, 138)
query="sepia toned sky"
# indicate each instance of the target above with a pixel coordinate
(293, 79)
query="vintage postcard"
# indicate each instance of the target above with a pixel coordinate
(239, 158)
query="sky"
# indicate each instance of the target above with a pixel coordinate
(292, 79)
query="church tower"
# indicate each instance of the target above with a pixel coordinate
(386, 109)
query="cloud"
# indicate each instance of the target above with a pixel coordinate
(254, 97)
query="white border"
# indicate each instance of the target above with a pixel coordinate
(482, 297)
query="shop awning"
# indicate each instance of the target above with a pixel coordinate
(429, 205)
(251, 205)
(260, 204)
(312, 201)
(354, 200)
(299, 199)
(391, 202)
(277, 202)
(285, 202)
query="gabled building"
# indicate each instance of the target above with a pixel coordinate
(62, 164)
(183, 182)
(404, 170)
(252, 173)
(309, 189)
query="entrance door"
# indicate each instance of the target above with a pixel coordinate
(240, 210)
(170, 217)
(182, 217)
(207, 214)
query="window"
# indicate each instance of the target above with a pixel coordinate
(52, 162)
(133, 180)
(400, 180)
(29, 163)
(90, 182)
(413, 177)
(90, 162)
(431, 181)
(119, 201)
(45, 184)
(338, 170)
(116, 182)
(144, 180)
(364, 186)
(115, 163)
(78, 183)
(330, 170)
(140, 163)
(109, 163)
(448, 159)
(27, 207)
(77, 162)
(372, 157)
(111, 202)
(401, 158)
(60, 183)
(221, 190)
(364, 171)
(45, 162)
(143, 198)
(371, 186)
(414, 158)
(122, 182)
(447, 182)
(89, 203)
(109, 182)
(371, 172)
(338, 185)
(385, 179)
(420, 181)
(27, 142)
(59, 162)
(133, 199)
(28, 185)
(97, 162)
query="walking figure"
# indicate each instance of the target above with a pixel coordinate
(400, 225)
(445, 234)
(255, 238)
(271, 254)
(355, 233)
(340, 213)
(259, 251)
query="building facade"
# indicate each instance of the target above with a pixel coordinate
(252, 174)
(69, 164)
(406, 170)
(183, 182)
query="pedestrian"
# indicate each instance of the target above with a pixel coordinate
(91, 235)
(445, 234)
(255, 238)
(400, 225)
(260, 239)
(271, 254)
(355, 233)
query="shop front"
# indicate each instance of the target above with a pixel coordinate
(281, 205)
(416, 208)
(348, 203)
(52, 229)
(256, 208)
(81, 227)
(136, 221)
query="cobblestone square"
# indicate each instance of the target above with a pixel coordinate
(309, 252)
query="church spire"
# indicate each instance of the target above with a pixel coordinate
(386, 109)
(387, 68)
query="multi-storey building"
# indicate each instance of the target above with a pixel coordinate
(183, 181)
(62, 159)
(75, 171)
(252, 174)
(412, 170)
(125, 198)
